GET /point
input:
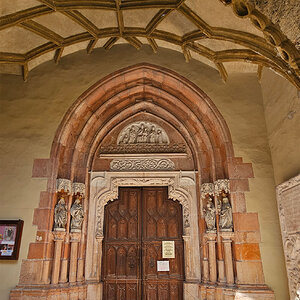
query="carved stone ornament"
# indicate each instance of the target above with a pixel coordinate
(151, 164)
(142, 133)
(222, 185)
(207, 188)
(142, 148)
(112, 194)
(288, 199)
(79, 187)
(77, 215)
(63, 184)
(60, 215)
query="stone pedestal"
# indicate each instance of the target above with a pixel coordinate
(59, 237)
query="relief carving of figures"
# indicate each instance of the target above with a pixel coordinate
(77, 215)
(210, 215)
(225, 211)
(142, 133)
(60, 215)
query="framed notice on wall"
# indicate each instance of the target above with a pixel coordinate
(10, 238)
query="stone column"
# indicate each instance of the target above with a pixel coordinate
(221, 266)
(98, 261)
(211, 240)
(64, 263)
(187, 259)
(205, 270)
(227, 240)
(74, 240)
(59, 237)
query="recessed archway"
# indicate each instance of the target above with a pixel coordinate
(144, 91)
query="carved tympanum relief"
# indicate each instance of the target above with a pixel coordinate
(150, 164)
(143, 133)
(288, 198)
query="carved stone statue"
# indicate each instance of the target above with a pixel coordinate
(77, 215)
(225, 221)
(210, 215)
(60, 215)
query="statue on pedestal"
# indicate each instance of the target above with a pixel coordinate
(210, 215)
(225, 210)
(60, 215)
(77, 215)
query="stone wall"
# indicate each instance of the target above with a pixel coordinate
(32, 111)
(282, 112)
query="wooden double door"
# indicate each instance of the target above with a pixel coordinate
(134, 227)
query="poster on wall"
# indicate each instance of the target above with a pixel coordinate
(10, 238)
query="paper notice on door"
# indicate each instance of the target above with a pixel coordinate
(163, 266)
(168, 249)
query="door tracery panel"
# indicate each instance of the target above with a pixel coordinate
(135, 226)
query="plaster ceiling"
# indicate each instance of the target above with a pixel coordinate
(229, 35)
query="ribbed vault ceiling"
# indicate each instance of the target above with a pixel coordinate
(227, 34)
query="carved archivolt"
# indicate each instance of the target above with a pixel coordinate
(143, 133)
(150, 164)
(289, 216)
(63, 184)
(178, 194)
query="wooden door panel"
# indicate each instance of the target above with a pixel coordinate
(122, 247)
(162, 221)
(135, 226)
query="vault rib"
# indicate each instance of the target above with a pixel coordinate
(42, 31)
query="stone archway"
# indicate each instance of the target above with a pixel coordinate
(144, 91)
(181, 187)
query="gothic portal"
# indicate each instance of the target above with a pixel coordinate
(145, 157)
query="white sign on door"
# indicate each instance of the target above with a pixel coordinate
(168, 249)
(163, 266)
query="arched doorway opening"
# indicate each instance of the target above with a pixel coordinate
(146, 126)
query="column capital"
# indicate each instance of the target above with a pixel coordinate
(211, 236)
(75, 237)
(58, 235)
(227, 236)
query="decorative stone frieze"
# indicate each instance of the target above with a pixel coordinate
(141, 133)
(150, 164)
(222, 185)
(288, 198)
(79, 187)
(63, 184)
(142, 148)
